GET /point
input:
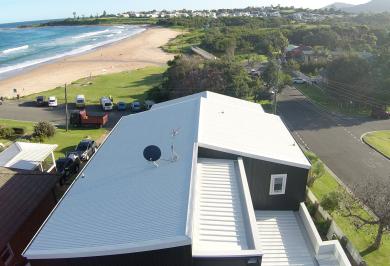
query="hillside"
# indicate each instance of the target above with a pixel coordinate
(374, 6)
(338, 5)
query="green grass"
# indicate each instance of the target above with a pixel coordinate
(380, 140)
(251, 57)
(183, 42)
(66, 141)
(322, 98)
(361, 238)
(124, 86)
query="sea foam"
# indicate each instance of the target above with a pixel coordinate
(15, 49)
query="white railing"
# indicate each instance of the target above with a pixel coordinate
(323, 249)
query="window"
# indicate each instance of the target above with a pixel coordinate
(6, 255)
(278, 184)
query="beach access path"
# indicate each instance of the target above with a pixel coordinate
(135, 52)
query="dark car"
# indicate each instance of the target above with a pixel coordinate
(136, 106)
(67, 166)
(40, 100)
(121, 106)
(86, 149)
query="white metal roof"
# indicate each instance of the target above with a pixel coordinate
(221, 221)
(125, 204)
(283, 239)
(248, 132)
(122, 204)
(25, 156)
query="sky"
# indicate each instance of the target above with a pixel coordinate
(26, 10)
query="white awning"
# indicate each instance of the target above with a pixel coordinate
(25, 156)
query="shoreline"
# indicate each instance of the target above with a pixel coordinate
(137, 51)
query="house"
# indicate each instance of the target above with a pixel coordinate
(224, 185)
(29, 156)
(26, 199)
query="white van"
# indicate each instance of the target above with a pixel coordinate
(52, 101)
(106, 104)
(80, 101)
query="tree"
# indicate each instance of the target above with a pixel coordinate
(104, 14)
(317, 170)
(376, 196)
(74, 14)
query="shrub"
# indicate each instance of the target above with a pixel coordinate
(44, 129)
(19, 130)
(312, 208)
(317, 170)
(6, 132)
(322, 226)
(330, 202)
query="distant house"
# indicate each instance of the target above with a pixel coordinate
(304, 54)
(226, 187)
(26, 198)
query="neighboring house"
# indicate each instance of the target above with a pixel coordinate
(26, 199)
(228, 190)
(29, 156)
(305, 54)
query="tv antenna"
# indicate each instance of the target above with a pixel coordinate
(174, 155)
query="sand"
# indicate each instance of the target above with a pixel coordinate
(135, 52)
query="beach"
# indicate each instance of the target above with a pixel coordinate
(135, 52)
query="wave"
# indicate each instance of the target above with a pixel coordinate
(82, 49)
(15, 49)
(89, 34)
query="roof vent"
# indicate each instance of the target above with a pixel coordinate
(152, 154)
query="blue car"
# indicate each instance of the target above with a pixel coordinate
(122, 106)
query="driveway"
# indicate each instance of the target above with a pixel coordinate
(28, 111)
(335, 138)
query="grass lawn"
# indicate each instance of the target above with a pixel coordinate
(66, 141)
(251, 57)
(124, 86)
(183, 42)
(361, 238)
(380, 140)
(322, 98)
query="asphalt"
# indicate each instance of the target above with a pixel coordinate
(335, 138)
(28, 111)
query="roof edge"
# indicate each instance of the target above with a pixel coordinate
(249, 155)
(109, 249)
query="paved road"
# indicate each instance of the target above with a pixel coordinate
(336, 139)
(28, 111)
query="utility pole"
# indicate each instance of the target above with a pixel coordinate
(276, 89)
(66, 109)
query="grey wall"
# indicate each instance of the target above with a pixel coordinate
(259, 177)
(179, 256)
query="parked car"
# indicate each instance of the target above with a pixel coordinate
(149, 104)
(121, 106)
(52, 101)
(380, 113)
(106, 104)
(82, 118)
(136, 106)
(85, 149)
(298, 81)
(80, 101)
(66, 166)
(40, 100)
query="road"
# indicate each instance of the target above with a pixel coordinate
(335, 138)
(28, 111)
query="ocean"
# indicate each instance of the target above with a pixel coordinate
(22, 48)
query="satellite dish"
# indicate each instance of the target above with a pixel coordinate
(152, 153)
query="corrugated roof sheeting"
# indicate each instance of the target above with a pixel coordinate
(283, 240)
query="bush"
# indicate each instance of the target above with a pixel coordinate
(44, 129)
(6, 132)
(317, 170)
(322, 226)
(19, 130)
(330, 202)
(312, 208)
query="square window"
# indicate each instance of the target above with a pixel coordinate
(278, 184)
